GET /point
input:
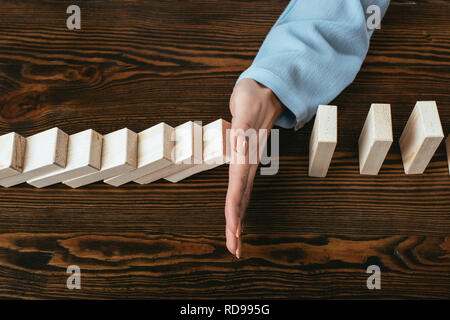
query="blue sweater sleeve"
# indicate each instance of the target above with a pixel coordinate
(312, 53)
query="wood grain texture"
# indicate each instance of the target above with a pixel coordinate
(137, 63)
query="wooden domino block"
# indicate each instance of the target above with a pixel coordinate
(421, 137)
(45, 152)
(12, 153)
(186, 153)
(155, 146)
(119, 155)
(84, 156)
(375, 139)
(447, 147)
(216, 150)
(323, 141)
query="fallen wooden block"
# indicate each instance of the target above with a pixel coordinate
(323, 141)
(447, 146)
(375, 139)
(119, 155)
(45, 152)
(84, 155)
(186, 153)
(155, 146)
(421, 137)
(12, 153)
(216, 150)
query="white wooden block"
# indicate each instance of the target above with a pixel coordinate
(187, 152)
(119, 155)
(155, 146)
(323, 141)
(375, 139)
(216, 150)
(45, 152)
(84, 155)
(447, 146)
(421, 137)
(12, 153)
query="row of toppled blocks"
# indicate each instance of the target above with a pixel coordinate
(174, 154)
(418, 142)
(119, 157)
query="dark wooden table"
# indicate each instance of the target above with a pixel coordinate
(137, 63)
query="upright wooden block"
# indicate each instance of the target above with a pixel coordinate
(187, 152)
(375, 139)
(323, 141)
(447, 146)
(45, 152)
(119, 155)
(12, 153)
(216, 150)
(84, 156)
(421, 137)
(154, 153)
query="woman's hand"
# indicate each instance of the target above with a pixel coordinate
(253, 106)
